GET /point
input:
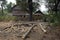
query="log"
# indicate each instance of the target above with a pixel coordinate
(24, 36)
(42, 27)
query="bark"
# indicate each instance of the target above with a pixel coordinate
(2, 8)
(30, 8)
(56, 5)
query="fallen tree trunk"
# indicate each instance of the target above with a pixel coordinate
(24, 36)
(41, 26)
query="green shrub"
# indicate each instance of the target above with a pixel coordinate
(7, 18)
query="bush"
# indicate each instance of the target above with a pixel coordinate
(7, 18)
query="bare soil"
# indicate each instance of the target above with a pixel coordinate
(53, 33)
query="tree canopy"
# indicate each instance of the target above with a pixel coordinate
(25, 6)
(54, 10)
(28, 5)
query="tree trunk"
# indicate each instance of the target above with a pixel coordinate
(2, 9)
(30, 8)
(56, 5)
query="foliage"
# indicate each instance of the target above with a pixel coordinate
(25, 6)
(35, 6)
(7, 18)
(3, 4)
(6, 10)
(9, 6)
(54, 15)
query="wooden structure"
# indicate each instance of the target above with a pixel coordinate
(17, 11)
(24, 15)
(38, 15)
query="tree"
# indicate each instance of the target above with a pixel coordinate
(30, 8)
(28, 5)
(3, 5)
(54, 10)
(53, 4)
(9, 6)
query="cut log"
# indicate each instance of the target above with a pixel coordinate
(24, 36)
(41, 26)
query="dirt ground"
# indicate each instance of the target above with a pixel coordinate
(53, 33)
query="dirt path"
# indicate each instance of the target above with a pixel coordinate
(36, 34)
